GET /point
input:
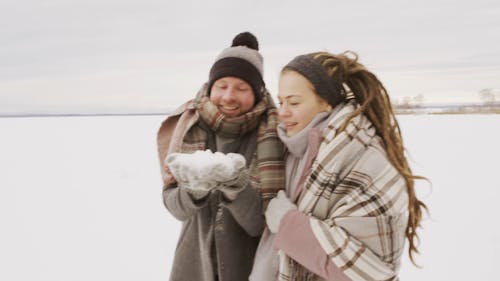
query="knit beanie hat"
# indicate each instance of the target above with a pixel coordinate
(326, 87)
(241, 60)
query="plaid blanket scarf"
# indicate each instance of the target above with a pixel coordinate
(357, 203)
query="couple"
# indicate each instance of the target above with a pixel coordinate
(325, 191)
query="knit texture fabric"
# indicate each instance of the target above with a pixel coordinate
(327, 88)
(241, 60)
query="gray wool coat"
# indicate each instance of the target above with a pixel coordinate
(219, 238)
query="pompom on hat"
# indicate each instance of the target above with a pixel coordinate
(241, 60)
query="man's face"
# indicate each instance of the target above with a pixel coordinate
(232, 96)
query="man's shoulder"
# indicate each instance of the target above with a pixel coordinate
(174, 116)
(189, 105)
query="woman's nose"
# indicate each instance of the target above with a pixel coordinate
(283, 111)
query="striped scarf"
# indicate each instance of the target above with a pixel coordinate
(267, 165)
(356, 201)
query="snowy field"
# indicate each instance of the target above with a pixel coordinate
(80, 198)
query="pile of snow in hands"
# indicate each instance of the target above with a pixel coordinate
(205, 169)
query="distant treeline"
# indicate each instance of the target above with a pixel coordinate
(458, 108)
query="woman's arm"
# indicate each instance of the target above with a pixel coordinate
(365, 246)
(296, 239)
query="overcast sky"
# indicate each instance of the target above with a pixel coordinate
(109, 56)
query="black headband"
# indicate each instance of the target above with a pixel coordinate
(326, 87)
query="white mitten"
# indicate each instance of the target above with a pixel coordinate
(232, 176)
(239, 161)
(277, 209)
(196, 192)
(226, 167)
(233, 187)
(190, 172)
(202, 171)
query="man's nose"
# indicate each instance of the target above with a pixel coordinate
(229, 95)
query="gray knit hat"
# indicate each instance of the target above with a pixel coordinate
(241, 60)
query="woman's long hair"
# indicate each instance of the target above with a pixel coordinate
(375, 104)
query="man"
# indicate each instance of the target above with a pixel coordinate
(232, 113)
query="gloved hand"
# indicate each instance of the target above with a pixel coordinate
(196, 192)
(226, 167)
(202, 171)
(190, 172)
(231, 176)
(231, 188)
(277, 209)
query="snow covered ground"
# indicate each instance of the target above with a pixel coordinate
(80, 198)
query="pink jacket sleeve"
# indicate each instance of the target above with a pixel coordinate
(296, 239)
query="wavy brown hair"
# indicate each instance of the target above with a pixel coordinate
(375, 104)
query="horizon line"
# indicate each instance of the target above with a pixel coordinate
(29, 115)
(396, 106)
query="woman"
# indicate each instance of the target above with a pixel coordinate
(222, 221)
(350, 199)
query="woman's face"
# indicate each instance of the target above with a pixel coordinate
(232, 96)
(298, 103)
